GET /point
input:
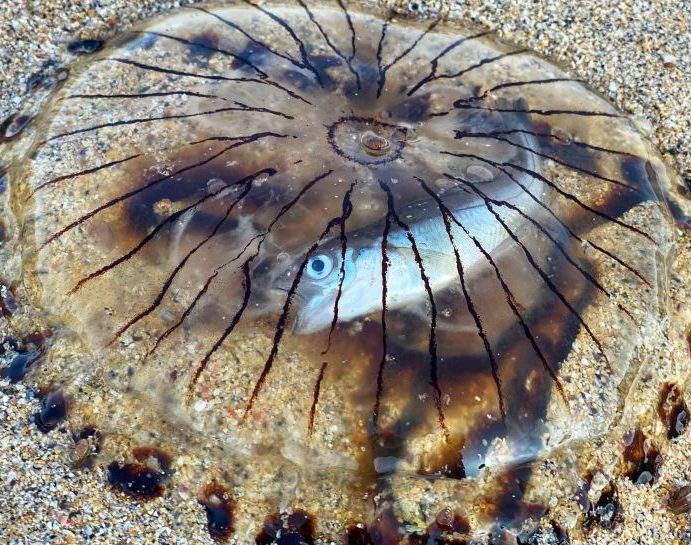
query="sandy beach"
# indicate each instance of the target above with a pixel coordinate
(635, 53)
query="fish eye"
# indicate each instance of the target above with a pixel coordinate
(319, 266)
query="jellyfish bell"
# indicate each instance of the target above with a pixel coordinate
(326, 255)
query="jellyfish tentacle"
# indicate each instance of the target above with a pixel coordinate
(511, 302)
(263, 45)
(347, 209)
(279, 330)
(193, 94)
(432, 346)
(480, 64)
(85, 172)
(205, 46)
(577, 143)
(460, 105)
(579, 202)
(385, 262)
(476, 66)
(380, 49)
(97, 168)
(353, 36)
(558, 245)
(201, 366)
(509, 84)
(551, 212)
(188, 309)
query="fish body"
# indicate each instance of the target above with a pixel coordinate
(362, 283)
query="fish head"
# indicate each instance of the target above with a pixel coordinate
(323, 273)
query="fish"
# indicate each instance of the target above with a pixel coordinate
(358, 270)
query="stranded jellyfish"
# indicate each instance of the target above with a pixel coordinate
(348, 271)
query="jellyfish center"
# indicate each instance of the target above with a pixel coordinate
(366, 140)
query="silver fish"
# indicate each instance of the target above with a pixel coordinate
(361, 283)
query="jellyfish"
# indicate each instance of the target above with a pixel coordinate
(335, 259)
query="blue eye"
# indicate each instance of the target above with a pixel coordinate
(319, 266)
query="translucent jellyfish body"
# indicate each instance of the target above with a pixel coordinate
(338, 262)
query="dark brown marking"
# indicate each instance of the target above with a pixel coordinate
(218, 506)
(8, 303)
(53, 410)
(327, 39)
(298, 529)
(606, 512)
(246, 182)
(641, 460)
(155, 182)
(85, 47)
(13, 125)
(239, 108)
(679, 501)
(18, 359)
(384, 341)
(552, 287)
(384, 69)
(555, 137)
(315, 398)
(584, 113)
(117, 162)
(144, 479)
(357, 534)
(434, 63)
(479, 64)
(432, 346)
(168, 282)
(463, 134)
(673, 410)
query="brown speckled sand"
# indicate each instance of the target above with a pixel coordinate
(634, 52)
